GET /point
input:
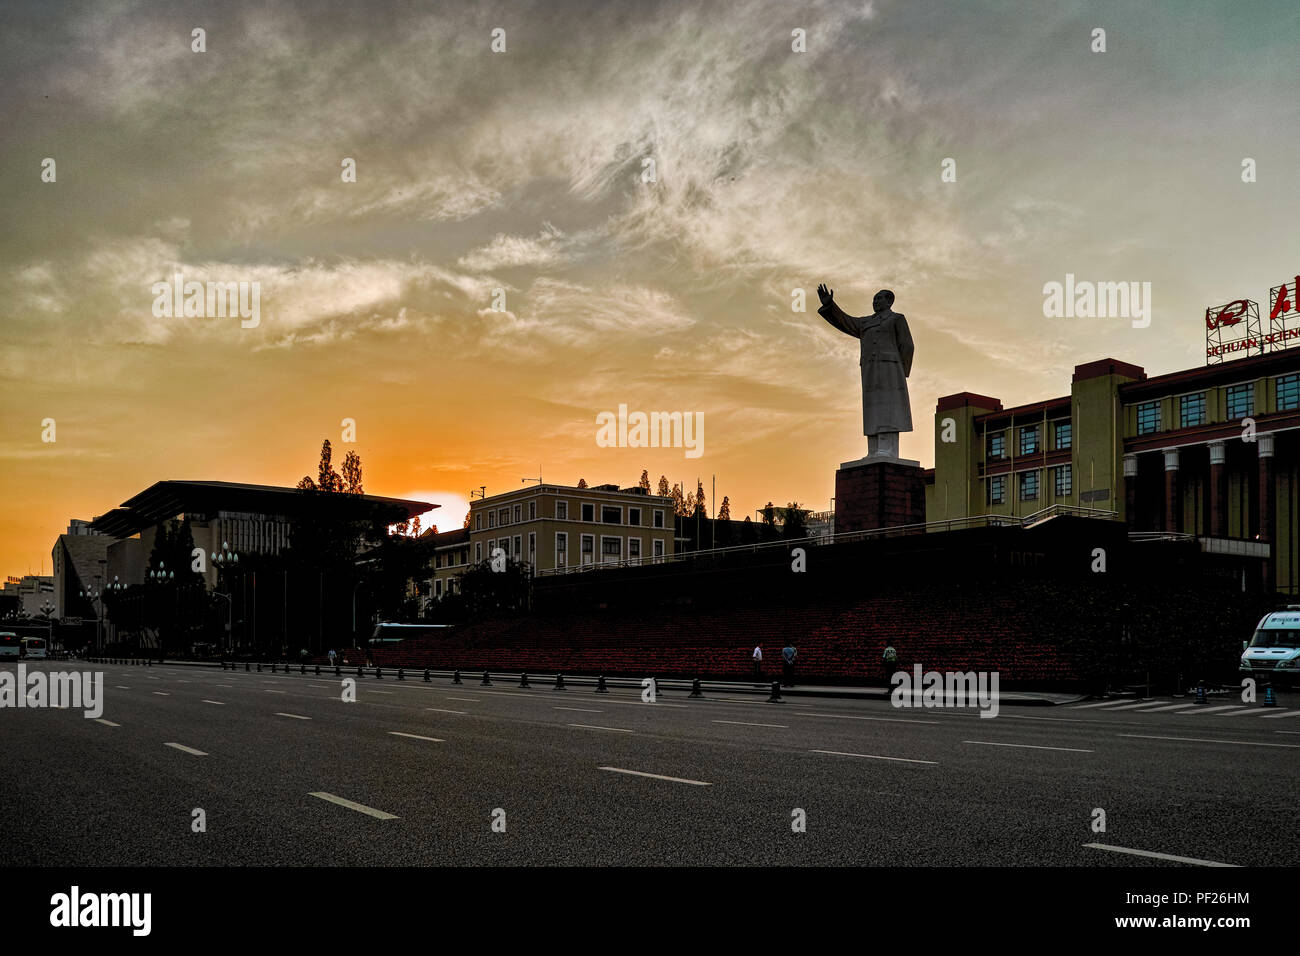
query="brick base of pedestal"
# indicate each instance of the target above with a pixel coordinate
(881, 494)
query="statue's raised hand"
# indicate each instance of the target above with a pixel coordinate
(825, 294)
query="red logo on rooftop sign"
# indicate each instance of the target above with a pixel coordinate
(1237, 327)
(1216, 317)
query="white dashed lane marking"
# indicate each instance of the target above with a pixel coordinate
(989, 743)
(841, 753)
(188, 750)
(746, 723)
(294, 716)
(434, 740)
(656, 776)
(1157, 856)
(359, 807)
(616, 730)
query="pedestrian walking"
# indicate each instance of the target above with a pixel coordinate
(331, 657)
(788, 656)
(758, 663)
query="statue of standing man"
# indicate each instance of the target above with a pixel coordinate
(886, 360)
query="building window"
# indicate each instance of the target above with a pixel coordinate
(611, 514)
(532, 547)
(1148, 418)
(1288, 392)
(1028, 485)
(611, 549)
(504, 517)
(634, 517)
(658, 549)
(659, 518)
(492, 519)
(633, 550)
(588, 549)
(1191, 410)
(532, 511)
(1064, 481)
(1029, 440)
(1064, 435)
(588, 512)
(997, 445)
(562, 511)
(561, 549)
(478, 552)
(1241, 401)
(478, 521)
(437, 561)
(518, 513)
(519, 547)
(437, 587)
(998, 490)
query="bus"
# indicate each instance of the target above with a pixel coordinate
(10, 645)
(35, 648)
(387, 635)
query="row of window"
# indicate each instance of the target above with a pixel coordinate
(1240, 404)
(612, 548)
(609, 514)
(1028, 482)
(1031, 439)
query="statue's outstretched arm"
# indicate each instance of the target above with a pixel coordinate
(832, 313)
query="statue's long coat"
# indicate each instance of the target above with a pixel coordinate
(886, 359)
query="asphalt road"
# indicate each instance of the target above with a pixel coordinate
(607, 779)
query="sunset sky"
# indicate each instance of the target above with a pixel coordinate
(523, 171)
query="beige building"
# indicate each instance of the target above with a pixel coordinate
(554, 528)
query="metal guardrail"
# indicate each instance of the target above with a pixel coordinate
(844, 537)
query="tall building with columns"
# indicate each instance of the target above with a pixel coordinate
(1208, 453)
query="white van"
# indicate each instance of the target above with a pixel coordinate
(1274, 650)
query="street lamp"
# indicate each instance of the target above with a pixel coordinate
(227, 560)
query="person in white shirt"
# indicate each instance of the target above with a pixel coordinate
(758, 662)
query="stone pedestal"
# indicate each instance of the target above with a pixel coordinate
(878, 492)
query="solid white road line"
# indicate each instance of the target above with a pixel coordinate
(1207, 740)
(294, 716)
(439, 710)
(891, 720)
(221, 702)
(1144, 703)
(435, 740)
(1102, 703)
(656, 776)
(989, 743)
(617, 730)
(841, 753)
(746, 723)
(106, 723)
(1202, 709)
(581, 710)
(1157, 856)
(359, 807)
(188, 750)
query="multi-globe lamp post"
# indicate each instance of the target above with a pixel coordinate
(96, 598)
(227, 560)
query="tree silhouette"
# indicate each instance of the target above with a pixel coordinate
(724, 510)
(663, 490)
(351, 483)
(644, 483)
(582, 482)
